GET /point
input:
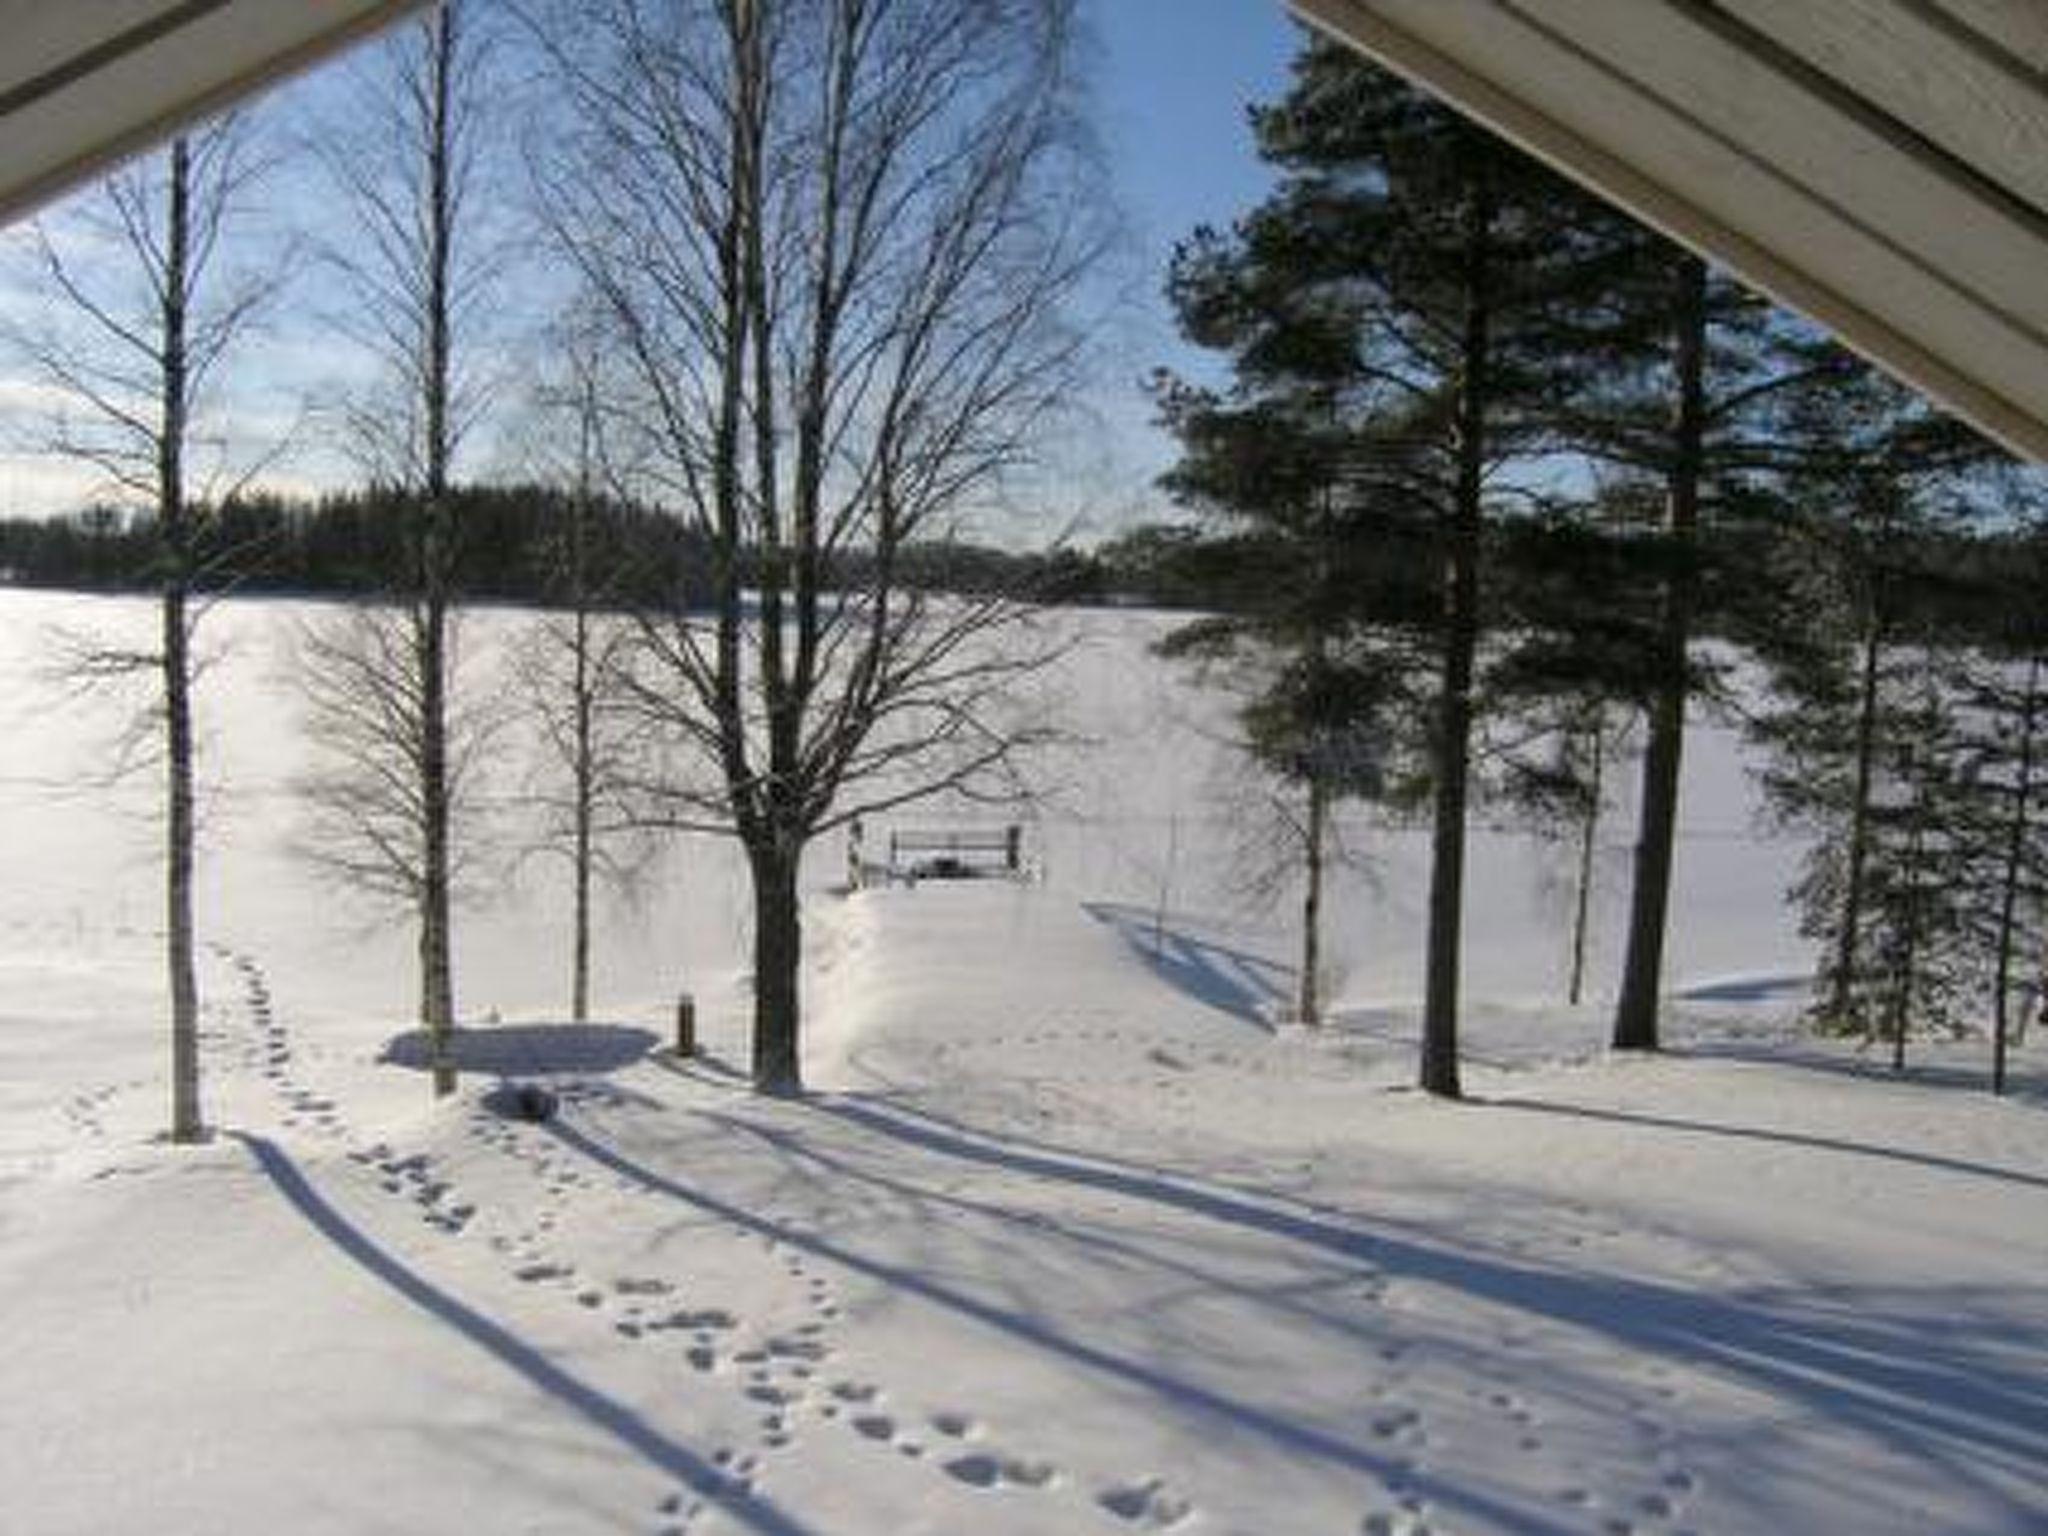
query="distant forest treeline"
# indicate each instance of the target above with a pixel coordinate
(511, 545)
(512, 541)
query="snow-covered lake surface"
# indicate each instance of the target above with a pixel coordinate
(1069, 1238)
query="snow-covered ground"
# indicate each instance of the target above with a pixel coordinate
(1070, 1239)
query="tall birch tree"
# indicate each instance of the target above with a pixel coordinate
(149, 304)
(416, 272)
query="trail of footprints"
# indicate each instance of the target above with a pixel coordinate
(781, 1375)
(1399, 1432)
(268, 1048)
(784, 1378)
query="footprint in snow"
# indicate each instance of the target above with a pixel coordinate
(1145, 1503)
(980, 1469)
(1383, 1522)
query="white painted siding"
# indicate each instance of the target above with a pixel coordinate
(1880, 164)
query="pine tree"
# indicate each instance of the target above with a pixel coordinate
(1683, 373)
(1390, 302)
(1857, 738)
(1999, 779)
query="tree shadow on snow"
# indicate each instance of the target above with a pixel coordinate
(1040, 1332)
(1772, 987)
(1238, 982)
(1939, 1373)
(2025, 1082)
(1778, 1137)
(526, 1050)
(605, 1413)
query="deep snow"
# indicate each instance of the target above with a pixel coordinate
(1070, 1237)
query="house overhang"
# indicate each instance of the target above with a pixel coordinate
(85, 82)
(1879, 165)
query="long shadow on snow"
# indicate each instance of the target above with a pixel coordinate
(1301, 1438)
(526, 1050)
(1902, 1378)
(1107, 1244)
(1933, 1160)
(2024, 1081)
(1233, 981)
(615, 1419)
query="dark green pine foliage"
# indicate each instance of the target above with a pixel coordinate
(1387, 312)
(1297, 568)
(1861, 731)
(1999, 782)
(1673, 400)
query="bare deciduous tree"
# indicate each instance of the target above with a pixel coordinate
(573, 665)
(414, 279)
(366, 821)
(146, 310)
(834, 240)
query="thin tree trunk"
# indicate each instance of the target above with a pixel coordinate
(579, 999)
(1452, 745)
(1642, 976)
(1589, 831)
(1842, 975)
(2015, 863)
(1902, 999)
(187, 1123)
(778, 949)
(1309, 1007)
(436, 961)
(585, 745)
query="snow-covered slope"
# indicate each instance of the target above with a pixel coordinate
(1071, 1239)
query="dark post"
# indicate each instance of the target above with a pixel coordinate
(686, 1026)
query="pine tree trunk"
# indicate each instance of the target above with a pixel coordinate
(1909, 960)
(2009, 885)
(778, 951)
(1452, 745)
(1589, 831)
(1642, 976)
(187, 1123)
(1842, 974)
(1309, 1004)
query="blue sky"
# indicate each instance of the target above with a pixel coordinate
(1173, 79)
(1176, 77)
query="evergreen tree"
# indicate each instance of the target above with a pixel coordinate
(1857, 736)
(1683, 371)
(2000, 760)
(1388, 315)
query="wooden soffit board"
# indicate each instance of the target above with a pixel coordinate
(1880, 165)
(85, 82)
